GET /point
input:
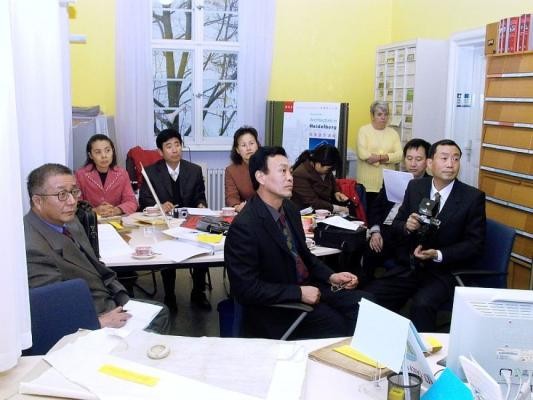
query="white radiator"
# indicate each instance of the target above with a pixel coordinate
(215, 188)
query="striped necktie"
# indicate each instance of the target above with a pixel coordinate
(437, 203)
(302, 273)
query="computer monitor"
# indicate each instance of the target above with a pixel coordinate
(495, 327)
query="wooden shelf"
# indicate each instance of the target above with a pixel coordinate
(506, 159)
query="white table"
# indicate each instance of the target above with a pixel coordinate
(151, 234)
(321, 381)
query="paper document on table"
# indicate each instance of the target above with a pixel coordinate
(141, 315)
(381, 334)
(202, 211)
(213, 242)
(340, 222)
(177, 250)
(395, 184)
(111, 243)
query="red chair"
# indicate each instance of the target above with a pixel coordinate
(349, 188)
(137, 156)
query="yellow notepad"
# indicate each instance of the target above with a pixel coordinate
(128, 375)
(349, 351)
(209, 238)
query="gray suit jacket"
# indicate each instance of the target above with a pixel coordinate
(53, 257)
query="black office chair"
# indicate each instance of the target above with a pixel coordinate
(492, 269)
(57, 310)
(231, 317)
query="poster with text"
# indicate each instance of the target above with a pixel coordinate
(307, 125)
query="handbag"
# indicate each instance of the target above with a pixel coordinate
(88, 220)
(347, 240)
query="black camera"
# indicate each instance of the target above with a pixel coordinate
(427, 211)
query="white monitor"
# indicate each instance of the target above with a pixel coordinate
(495, 327)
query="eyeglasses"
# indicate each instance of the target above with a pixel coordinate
(63, 195)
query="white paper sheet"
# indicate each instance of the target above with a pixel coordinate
(111, 243)
(340, 222)
(202, 211)
(141, 315)
(177, 250)
(191, 236)
(395, 184)
(381, 334)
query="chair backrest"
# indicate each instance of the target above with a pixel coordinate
(57, 310)
(349, 188)
(135, 157)
(498, 246)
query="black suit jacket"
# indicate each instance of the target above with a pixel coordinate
(461, 235)
(192, 188)
(261, 268)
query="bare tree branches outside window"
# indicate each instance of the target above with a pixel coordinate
(195, 66)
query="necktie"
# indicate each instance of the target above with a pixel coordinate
(302, 272)
(437, 204)
(67, 233)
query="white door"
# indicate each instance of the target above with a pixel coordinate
(466, 86)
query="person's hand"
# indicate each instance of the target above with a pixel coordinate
(116, 318)
(373, 159)
(376, 242)
(384, 159)
(339, 196)
(345, 279)
(239, 207)
(413, 222)
(167, 207)
(107, 210)
(310, 294)
(429, 254)
(340, 209)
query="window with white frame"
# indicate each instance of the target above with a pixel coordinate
(195, 60)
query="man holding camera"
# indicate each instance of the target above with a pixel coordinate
(440, 227)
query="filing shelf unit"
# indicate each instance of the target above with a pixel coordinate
(411, 77)
(506, 160)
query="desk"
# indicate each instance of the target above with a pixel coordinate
(151, 234)
(321, 381)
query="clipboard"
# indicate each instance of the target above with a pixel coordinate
(328, 356)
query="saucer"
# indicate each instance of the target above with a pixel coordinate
(146, 257)
(152, 214)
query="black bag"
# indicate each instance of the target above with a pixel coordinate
(339, 238)
(213, 225)
(88, 219)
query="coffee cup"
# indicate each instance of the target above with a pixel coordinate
(228, 211)
(143, 251)
(151, 211)
(308, 222)
(310, 243)
(322, 214)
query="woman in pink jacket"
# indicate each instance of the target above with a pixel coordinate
(103, 184)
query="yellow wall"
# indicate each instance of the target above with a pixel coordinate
(93, 63)
(438, 19)
(324, 51)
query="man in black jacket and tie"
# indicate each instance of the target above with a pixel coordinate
(180, 183)
(425, 260)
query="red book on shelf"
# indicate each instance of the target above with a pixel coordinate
(527, 42)
(521, 23)
(502, 37)
(512, 34)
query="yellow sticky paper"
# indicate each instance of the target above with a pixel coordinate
(357, 355)
(395, 393)
(116, 225)
(434, 343)
(128, 375)
(209, 238)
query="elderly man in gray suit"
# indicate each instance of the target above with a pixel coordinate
(57, 248)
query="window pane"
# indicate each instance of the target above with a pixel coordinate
(221, 20)
(179, 119)
(172, 21)
(219, 93)
(219, 122)
(172, 93)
